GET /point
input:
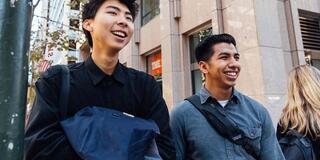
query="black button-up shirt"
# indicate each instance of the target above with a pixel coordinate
(126, 90)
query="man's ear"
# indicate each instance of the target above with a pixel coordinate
(87, 25)
(204, 67)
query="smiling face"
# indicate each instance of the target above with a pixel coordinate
(223, 68)
(112, 26)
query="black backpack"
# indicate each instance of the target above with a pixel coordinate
(296, 146)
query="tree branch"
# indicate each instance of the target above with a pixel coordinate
(35, 5)
(62, 24)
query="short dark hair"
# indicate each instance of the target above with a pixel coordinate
(204, 48)
(91, 8)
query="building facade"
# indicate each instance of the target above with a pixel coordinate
(272, 36)
(63, 15)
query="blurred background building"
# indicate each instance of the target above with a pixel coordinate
(272, 37)
(62, 16)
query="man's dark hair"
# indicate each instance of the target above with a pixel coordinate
(91, 8)
(204, 49)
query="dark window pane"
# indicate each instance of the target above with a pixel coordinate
(196, 81)
(316, 63)
(74, 5)
(71, 62)
(72, 45)
(194, 40)
(149, 9)
(74, 24)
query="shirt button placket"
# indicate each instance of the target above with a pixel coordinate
(106, 91)
(109, 83)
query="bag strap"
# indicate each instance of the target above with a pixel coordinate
(64, 91)
(223, 125)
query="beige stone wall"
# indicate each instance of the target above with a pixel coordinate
(309, 5)
(194, 13)
(272, 54)
(172, 72)
(239, 21)
(150, 35)
(261, 28)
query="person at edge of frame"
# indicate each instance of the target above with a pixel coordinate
(302, 109)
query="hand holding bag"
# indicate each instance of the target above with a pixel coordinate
(99, 133)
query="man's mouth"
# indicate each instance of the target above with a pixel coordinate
(120, 34)
(231, 74)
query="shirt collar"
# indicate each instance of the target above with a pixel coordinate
(97, 75)
(205, 95)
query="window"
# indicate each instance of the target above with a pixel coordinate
(74, 5)
(71, 61)
(154, 67)
(74, 24)
(72, 54)
(72, 45)
(316, 63)
(310, 31)
(149, 9)
(196, 80)
(196, 75)
(313, 58)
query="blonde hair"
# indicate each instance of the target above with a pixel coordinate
(302, 109)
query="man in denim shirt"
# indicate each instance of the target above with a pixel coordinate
(218, 60)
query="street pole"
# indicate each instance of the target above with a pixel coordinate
(15, 26)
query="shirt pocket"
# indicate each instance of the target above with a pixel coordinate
(254, 136)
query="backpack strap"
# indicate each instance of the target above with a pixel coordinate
(64, 91)
(223, 125)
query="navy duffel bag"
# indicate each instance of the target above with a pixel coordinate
(98, 133)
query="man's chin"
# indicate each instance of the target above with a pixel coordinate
(118, 46)
(230, 84)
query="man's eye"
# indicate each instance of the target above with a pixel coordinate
(112, 12)
(237, 58)
(224, 57)
(129, 19)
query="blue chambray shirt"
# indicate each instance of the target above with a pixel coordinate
(196, 139)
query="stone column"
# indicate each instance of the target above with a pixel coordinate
(172, 72)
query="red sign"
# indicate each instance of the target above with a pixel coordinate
(156, 64)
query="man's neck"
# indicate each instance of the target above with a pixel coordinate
(218, 92)
(106, 60)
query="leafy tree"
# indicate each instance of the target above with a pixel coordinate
(57, 40)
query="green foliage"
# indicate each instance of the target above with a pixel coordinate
(75, 3)
(56, 40)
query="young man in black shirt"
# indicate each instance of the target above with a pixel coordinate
(100, 81)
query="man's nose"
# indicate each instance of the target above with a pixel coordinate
(234, 63)
(122, 21)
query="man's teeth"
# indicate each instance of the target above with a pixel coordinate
(231, 73)
(121, 34)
